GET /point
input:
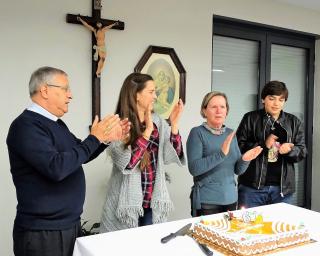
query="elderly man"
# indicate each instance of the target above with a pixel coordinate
(46, 165)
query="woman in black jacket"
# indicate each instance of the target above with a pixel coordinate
(270, 178)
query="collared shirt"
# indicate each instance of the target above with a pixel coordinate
(148, 174)
(40, 110)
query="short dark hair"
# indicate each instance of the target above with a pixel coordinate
(275, 88)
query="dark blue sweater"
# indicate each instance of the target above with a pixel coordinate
(45, 159)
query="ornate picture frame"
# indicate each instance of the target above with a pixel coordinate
(163, 64)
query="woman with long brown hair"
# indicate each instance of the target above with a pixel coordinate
(137, 193)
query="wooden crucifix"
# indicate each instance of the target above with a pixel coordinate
(98, 27)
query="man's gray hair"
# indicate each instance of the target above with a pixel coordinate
(43, 75)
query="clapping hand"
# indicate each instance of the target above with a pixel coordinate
(125, 128)
(252, 153)
(175, 116)
(271, 140)
(110, 128)
(149, 123)
(285, 148)
(226, 144)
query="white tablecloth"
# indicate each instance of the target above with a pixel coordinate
(145, 241)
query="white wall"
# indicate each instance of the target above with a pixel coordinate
(34, 33)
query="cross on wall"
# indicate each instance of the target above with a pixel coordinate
(93, 23)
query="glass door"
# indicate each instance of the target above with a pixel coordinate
(245, 56)
(288, 65)
(235, 73)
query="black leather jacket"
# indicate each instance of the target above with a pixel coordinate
(252, 132)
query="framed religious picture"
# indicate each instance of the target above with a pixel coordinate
(169, 75)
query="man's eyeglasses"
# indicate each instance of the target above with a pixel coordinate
(64, 88)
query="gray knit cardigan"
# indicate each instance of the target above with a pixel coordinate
(123, 205)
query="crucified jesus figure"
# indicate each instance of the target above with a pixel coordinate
(100, 47)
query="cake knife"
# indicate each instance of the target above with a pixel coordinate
(181, 232)
(186, 230)
(204, 248)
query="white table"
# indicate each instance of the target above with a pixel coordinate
(145, 241)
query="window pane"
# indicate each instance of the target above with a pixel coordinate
(235, 72)
(288, 64)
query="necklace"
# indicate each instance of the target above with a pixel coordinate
(272, 123)
(215, 131)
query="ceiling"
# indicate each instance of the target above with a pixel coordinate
(308, 4)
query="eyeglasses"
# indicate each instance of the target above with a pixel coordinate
(64, 88)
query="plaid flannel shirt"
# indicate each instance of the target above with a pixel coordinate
(148, 174)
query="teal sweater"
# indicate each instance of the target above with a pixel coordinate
(205, 155)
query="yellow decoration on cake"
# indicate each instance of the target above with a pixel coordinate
(259, 219)
(250, 235)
